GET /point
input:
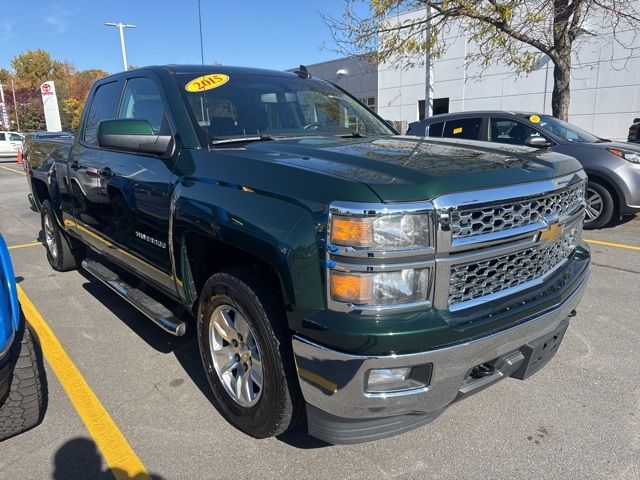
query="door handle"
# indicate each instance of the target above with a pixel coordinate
(106, 172)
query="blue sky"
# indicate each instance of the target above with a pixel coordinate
(270, 34)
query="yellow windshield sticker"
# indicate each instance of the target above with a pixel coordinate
(534, 119)
(457, 130)
(206, 82)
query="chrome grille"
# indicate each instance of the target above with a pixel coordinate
(470, 281)
(504, 216)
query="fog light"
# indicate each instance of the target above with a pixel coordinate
(390, 380)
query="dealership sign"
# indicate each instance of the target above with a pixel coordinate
(4, 115)
(51, 110)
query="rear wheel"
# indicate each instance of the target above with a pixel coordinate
(24, 405)
(59, 252)
(246, 353)
(600, 206)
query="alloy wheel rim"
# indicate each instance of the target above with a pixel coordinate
(236, 355)
(595, 204)
(49, 237)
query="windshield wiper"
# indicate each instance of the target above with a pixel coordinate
(253, 138)
(604, 140)
(354, 134)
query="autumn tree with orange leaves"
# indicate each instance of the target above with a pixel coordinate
(33, 67)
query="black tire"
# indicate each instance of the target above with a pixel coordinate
(607, 209)
(64, 258)
(280, 405)
(24, 405)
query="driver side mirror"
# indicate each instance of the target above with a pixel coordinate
(536, 142)
(133, 135)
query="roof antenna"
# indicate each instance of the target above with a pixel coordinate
(201, 44)
(302, 72)
(202, 65)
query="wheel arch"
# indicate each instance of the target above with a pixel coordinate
(202, 255)
(610, 185)
(40, 191)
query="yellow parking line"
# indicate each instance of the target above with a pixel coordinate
(12, 170)
(25, 245)
(120, 457)
(611, 244)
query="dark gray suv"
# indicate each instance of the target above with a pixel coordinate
(613, 167)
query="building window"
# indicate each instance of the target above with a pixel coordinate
(369, 102)
(440, 105)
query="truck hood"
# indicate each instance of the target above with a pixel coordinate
(404, 168)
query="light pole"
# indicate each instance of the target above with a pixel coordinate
(121, 26)
(428, 90)
(15, 103)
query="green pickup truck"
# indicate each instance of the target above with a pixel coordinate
(337, 272)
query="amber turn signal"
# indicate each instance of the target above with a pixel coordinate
(353, 231)
(351, 288)
(617, 152)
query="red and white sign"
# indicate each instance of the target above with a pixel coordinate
(50, 103)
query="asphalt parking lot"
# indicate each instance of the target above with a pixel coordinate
(579, 418)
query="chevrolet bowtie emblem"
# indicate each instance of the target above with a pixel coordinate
(551, 235)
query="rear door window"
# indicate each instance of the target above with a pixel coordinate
(435, 129)
(103, 107)
(467, 128)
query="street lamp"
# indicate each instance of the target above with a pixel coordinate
(121, 26)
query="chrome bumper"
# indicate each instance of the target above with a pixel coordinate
(334, 382)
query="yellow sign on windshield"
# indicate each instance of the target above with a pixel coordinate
(206, 82)
(534, 119)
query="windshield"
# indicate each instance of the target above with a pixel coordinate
(250, 105)
(565, 130)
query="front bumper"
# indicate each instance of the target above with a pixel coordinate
(341, 411)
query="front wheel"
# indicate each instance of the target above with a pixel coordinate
(246, 353)
(600, 207)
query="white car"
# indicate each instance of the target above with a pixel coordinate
(10, 142)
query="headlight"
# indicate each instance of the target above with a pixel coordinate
(379, 289)
(388, 231)
(380, 256)
(633, 157)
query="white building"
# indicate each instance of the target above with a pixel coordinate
(605, 86)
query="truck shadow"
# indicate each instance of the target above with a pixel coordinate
(79, 458)
(184, 348)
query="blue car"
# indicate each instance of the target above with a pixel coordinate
(22, 395)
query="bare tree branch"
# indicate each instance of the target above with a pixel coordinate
(513, 32)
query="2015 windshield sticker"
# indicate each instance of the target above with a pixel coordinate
(534, 119)
(206, 82)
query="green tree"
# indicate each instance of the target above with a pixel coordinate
(512, 32)
(70, 113)
(34, 67)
